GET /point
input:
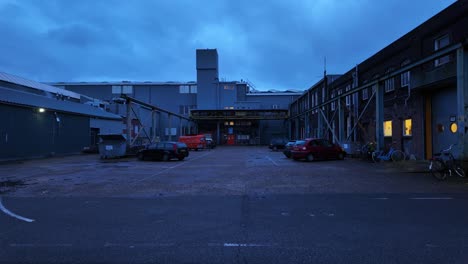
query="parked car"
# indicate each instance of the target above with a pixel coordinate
(314, 148)
(164, 151)
(209, 141)
(277, 143)
(288, 147)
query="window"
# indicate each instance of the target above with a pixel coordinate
(405, 79)
(387, 126)
(193, 89)
(323, 94)
(374, 88)
(229, 87)
(389, 85)
(275, 106)
(185, 109)
(440, 43)
(365, 94)
(348, 97)
(407, 127)
(184, 89)
(333, 103)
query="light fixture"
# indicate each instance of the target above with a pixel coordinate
(41, 110)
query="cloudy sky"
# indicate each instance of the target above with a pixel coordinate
(276, 44)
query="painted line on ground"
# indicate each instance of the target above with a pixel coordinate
(247, 245)
(133, 245)
(431, 198)
(40, 245)
(173, 167)
(10, 213)
(272, 161)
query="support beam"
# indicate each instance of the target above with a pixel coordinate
(296, 132)
(307, 125)
(462, 102)
(320, 127)
(129, 122)
(341, 121)
(153, 125)
(330, 127)
(379, 116)
(169, 124)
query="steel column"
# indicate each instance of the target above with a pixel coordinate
(341, 120)
(169, 124)
(379, 116)
(462, 101)
(129, 122)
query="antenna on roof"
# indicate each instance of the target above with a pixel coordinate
(325, 66)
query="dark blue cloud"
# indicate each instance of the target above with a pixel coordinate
(276, 44)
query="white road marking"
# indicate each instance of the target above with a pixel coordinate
(285, 214)
(133, 245)
(381, 198)
(40, 245)
(10, 213)
(329, 214)
(272, 161)
(312, 215)
(431, 245)
(173, 167)
(431, 198)
(246, 245)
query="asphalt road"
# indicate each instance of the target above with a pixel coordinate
(230, 205)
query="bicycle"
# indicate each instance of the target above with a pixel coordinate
(443, 163)
(367, 150)
(392, 154)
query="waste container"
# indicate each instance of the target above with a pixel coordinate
(112, 146)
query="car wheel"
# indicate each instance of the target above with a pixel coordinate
(165, 157)
(341, 156)
(310, 157)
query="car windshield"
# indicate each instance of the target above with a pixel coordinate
(224, 131)
(300, 142)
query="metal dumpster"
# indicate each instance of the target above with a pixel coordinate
(112, 146)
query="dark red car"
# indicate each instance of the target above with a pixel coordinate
(316, 148)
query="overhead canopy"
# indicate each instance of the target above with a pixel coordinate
(236, 114)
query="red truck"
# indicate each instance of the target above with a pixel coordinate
(195, 142)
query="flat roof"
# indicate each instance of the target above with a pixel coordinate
(14, 97)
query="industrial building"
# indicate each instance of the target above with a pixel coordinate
(40, 120)
(232, 111)
(412, 93)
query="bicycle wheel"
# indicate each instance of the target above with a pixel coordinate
(437, 169)
(459, 170)
(398, 155)
(375, 156)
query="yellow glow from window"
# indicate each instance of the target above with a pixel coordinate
(454, 127)
(387, 128)
(231, 123)
(408, 127)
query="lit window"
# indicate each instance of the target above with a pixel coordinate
(387, 128)
(407, 127)
(231, 123)
(440, 43)
(365, 94)
(389, 85)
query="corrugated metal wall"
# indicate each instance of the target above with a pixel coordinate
(26, 133)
